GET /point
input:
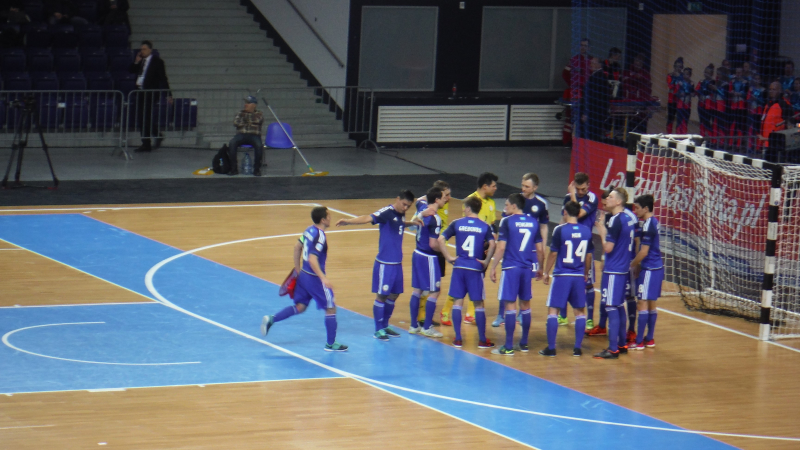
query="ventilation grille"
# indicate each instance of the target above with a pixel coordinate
(442, 123)
(535, 123)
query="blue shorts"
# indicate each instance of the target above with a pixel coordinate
(613, 288)
(566, 289)
(387, 279)
(310, 286)
(629, 286)
(649, 284)
(425, 272)
(515, 282)
(465, 281)
(592, 278)
(535, 268)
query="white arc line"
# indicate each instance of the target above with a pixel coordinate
(10, 345)
(150, 287)
(26, 426)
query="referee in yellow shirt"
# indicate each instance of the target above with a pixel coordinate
(487, 186)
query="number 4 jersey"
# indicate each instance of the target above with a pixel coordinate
(470, 233)
(571, 241)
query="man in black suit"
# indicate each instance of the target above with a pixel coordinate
(152, 74)
(595, 102)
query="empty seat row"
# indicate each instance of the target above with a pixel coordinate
(68, 81)
(66, 60)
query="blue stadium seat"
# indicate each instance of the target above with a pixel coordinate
(44, 81)
(99, 81)
(72, 81)
(90, 36)
(119, 59)
(116, 36)
(76, 113)
(16, 81)
(35, 10)
(94, 60)
(38, 38)
(184, 114)
(276, 138)
(64, 36)
(67, 60)
(13, 60)
(124, 82)
(40, 60)
(88, 10)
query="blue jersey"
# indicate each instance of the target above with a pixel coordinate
(521, 233)
(471, 233)
(432, 226)
(650, 237)
(787, 82)
(589, 204)
(536, 207)
(571, 242)
(314, 243)
(637, 231)
(621, 234)
(390, 242)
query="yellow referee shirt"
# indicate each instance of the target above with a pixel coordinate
(488, 212)
(442, 213)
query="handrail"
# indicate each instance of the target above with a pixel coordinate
(308, 24)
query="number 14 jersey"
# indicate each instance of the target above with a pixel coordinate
(571, 241)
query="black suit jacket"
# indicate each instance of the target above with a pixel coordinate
(156, 76)
(596, 95)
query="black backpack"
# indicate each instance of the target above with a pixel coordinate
(221, 162)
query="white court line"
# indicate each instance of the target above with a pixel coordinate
(8, 344)
(153, 302)
(150, 286)
(26, 426)
(123, 208)
(11, 249)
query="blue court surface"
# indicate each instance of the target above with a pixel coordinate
(205, 329)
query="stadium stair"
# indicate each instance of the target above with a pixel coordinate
(216, 44)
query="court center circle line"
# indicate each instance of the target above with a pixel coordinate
(375, 383)
(12, 346)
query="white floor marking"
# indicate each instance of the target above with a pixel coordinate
(9, 345)
(150, 287)
(26, 426)
(124, 208)
(80, 304)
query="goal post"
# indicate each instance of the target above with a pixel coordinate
(726, 228)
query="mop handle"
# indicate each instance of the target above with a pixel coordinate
(284, 130)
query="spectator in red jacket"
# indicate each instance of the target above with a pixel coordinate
(636, 80)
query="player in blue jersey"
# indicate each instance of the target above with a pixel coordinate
(578, 191)
(570, 255)
(630, 287)
(651, 271)
(310, 254)
(425, 273)
(519, 241)
(617, 239)
(387, 272)
(467, 278)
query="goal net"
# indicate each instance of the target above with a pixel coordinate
(714, 211)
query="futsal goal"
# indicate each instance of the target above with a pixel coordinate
(730, 229)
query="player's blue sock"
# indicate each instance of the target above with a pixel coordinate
(603, 315)
(285, 313)
(552, 329)
(377, 314)
(632, 314)
(590, 302)
(563, 313)
(511, 321)
(501, 310)
(414, 306)
(613, 327)
(430, 310)
(580, 330)
(526, 325)
(330, 327)
(623, 326)
(388, 309)
(644, 318)
(480, 321)
(651, 324)
(457, 321)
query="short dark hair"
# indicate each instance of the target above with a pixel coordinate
(532, 177)
(474, 204)
(405, 194)
(318, 214)
(518, 200)
(581, 178)
(586, 40)
(486, 178)
(441, 184)
(573, 209)
(789, 62)
(645, 201)
(606, 193)
(433, 194)
(148, 44)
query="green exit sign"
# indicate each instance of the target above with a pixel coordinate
(695, 7)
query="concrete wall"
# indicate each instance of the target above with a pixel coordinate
(330, 18)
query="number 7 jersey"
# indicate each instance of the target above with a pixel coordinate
(571, 242)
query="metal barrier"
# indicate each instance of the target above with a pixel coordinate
(201, 117)
(67, 118)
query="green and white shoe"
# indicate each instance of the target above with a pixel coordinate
(415, 330)
(391, 333)
(589, 324)
(503, 351)
(381, 335)
(335, 347)
(562, 321)
(266, 324)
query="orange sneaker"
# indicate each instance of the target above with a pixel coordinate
(469, 319)
(597, 331)
(445, 319)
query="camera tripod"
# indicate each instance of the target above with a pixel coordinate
(28, 117)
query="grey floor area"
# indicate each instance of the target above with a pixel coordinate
(509, 163)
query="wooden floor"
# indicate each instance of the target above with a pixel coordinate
(699, 377)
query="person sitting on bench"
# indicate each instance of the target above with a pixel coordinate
(248, 124)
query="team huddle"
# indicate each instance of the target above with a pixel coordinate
(632, 266)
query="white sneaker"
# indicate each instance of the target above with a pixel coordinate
(431, 332)
(415, 330)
